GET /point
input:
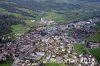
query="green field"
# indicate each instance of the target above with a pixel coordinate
(79, 48)
(6, 63)
(29, 23)
(97, 27)
(59, 18)
(54, 64)
(94, 37)
(96, 53)
(19, 29)
(5, 12)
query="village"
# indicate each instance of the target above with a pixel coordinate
(48, 45)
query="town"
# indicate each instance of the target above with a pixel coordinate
(48, 44)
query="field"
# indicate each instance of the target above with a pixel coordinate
(54, 64)
(4, 12)
(59, 18)
(20, 28)
(79, 48)
(96, 53)
(97, 27)
(6, 63)
(94, 37)
(29, 23)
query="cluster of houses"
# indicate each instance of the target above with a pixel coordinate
(45, 46)
(55, 49)
(93, 45)
(88, 60)
(46, 22)
(9, 49)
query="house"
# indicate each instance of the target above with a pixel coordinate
(40, 53)
(93, 45)
(46, 22)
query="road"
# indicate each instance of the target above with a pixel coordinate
(29, 50)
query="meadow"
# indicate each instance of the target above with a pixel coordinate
(96, 53)
(95, 37)
(79, 48)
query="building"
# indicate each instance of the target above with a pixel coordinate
(93, 45)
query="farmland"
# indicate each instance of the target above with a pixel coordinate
(95, 37)
(79, 48)
(96, 53)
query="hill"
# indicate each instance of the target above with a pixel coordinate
(61, 11)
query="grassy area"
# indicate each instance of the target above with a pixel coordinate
(79, 48)
(19, 15)
(94, 37)
(59, 18)
(96, 53)
(68, 30)
(6, 63)
(54, 64)
(30, 23)
(97, 27)
(69, 15)
(19, 29)
(5, 12)
(35, 14)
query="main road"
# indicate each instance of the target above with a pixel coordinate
(28, 50)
